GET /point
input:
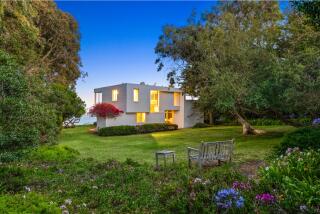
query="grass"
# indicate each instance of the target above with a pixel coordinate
(141, 148)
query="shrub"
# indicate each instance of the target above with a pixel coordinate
(117, 130)
(28, 203)
(294, 178)
(53, 153)
(155, 127)
(303, 138)
(12, 179)
(265, 122)
(105, 110)
(201, 125)
(140, 129)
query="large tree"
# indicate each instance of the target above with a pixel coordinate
(245, 57)
(39, 67)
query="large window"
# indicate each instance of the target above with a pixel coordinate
(154, 101)
(97, 97)
(115, 95)
(168, 117)
(141, 117)
(176, 99)
(136, 95)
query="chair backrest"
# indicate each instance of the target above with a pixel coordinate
(216, 150)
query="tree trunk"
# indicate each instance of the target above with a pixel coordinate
(210, 117)
(247, 129)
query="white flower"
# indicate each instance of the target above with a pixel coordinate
(197, 180)
(63, 207)
(28, 189)
(68, 201)
(84, 204)
(94, 187)
(267, 168)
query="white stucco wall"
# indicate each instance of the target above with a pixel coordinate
(191, 115)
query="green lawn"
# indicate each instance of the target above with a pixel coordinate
(142, 147)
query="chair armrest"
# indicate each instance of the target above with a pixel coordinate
(192, 151)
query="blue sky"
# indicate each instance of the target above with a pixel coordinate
(118, 39)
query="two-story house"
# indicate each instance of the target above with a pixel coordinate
(143, 103)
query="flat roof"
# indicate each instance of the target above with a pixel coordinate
(155, 87)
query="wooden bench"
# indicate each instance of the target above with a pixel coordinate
(211, 151)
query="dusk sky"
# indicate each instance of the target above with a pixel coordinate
(118, 39)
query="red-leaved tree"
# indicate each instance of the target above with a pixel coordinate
(105, 110)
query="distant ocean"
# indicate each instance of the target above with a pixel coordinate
(87, 119)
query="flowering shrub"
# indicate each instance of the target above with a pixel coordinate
(229, 198)
(105, 110)
(265, 198)
(294, 176)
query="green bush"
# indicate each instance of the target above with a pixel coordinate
(303, 138)
(201, 125)
(53, 153)
(140, 129)
(12, 179)
(155, 127)
(28, 203)
(265, 122)
(295, 178)
(117, 130)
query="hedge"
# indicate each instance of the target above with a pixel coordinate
(140, 129)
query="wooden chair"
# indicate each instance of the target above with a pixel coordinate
(211, 151)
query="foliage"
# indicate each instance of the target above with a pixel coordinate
(24, 120)
(117, 130)
(303, 138)
(311, 10)
(201, 125)
(246, 57)
(66, 101)
(105, 110)
(289, 184)
(139, 129)
(28, 203)
(12, 179)
(41, 38)
(155, 127)
(295, 179)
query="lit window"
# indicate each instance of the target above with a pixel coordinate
(154, 101)
(176, 99)
(141, 117)
(168, 117)
(136, 95)
(98, 97)
(115, 95)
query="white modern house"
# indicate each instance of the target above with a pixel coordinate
(143, 103)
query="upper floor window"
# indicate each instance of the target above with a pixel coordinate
(97, 97)
(154, 101)
(141, 117)
(176, 99)
(136, 95)
(115, 95)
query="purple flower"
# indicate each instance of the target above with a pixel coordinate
(228, 198)
(241, 185)
(316, 122)
(266, 198)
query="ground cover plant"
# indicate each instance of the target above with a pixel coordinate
(54, 179)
